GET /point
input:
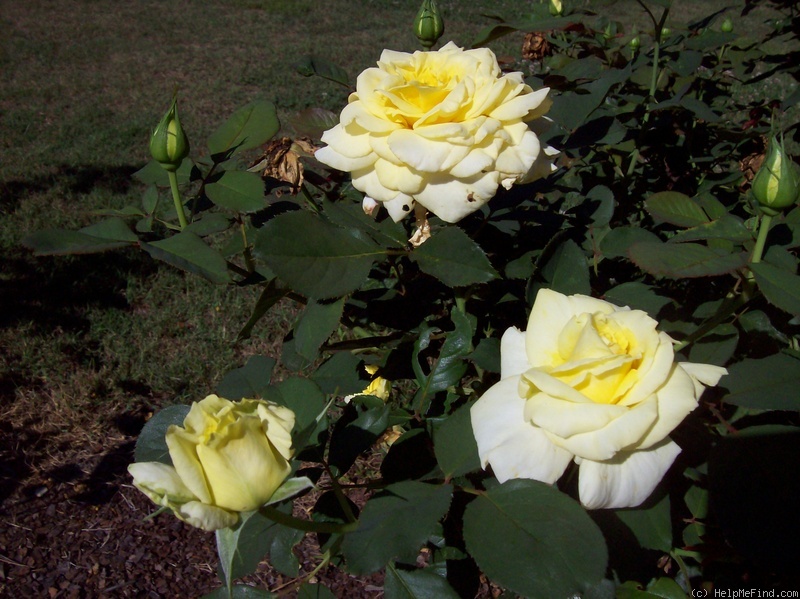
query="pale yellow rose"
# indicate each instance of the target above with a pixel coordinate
(593, 382)
(228, 457)
(443, 129)
(378, 386)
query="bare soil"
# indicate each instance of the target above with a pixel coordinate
(72, 525)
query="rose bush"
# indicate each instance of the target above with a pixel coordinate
(442, 129)
(228, 457)
(593, 382)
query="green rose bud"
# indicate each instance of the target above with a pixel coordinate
(727, 25)
(635, 43)
(428, 26)
(777, 183)
(556, 8)
(169, 144)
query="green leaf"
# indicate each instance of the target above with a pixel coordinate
(453, 258)
(568, 270)
(108, 234)
(662, 588)
(243, 547)
(710, 39)
(248, 127)
(125, 212)
(240, 591)
(455, 445)
(314, 257)
(572, 109)
(290, 488)
(496, 31)
(700, 109)
(239, 191)
(601, 198)
(716, 347)
(316, 65)
(315, 325)
(617, 242)
(314, 591)
(250, 381)
(416, 584)
(386, 233)
(675, 208)
(190, 253)
(780, 287)
(153, 173)
(151, 446)
(271, 294)
(313, 122)
(395, 523)
(637, 296)
(339, 375)
(651, 526)
(448, 369)
(209, 224)
(113, 229)
(682, 260)
(728, 227)
(363, 421)
(487, 354)
(56, 242)
(534, 540)
(766, 384)
(304, 398)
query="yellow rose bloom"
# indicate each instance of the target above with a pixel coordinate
(378, 386)
(228, 457)
(440, 129)
(593, 382)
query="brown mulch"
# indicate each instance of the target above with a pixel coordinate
(72, 526)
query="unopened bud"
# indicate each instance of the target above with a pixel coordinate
(727, 25)
(635, 43)
(777, 183)
(428, 26)
(556, 8)
(169, 144)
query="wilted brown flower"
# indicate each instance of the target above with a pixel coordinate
(750, 164)
(281, 160)
(536, 47)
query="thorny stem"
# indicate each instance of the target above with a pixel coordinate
(763, 231)
(307, 195)
(340, 496)
(176, 198)
(658, 27)
(729, 306)
(293, 585)
(248, 255)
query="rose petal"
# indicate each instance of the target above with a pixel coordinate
(183, 451)
(627, 480)
(244, 468)
(513, 359)
(206, 517)
(513, 447)
(453, 199)
(675, 400)
(160, 483)
(550, 313)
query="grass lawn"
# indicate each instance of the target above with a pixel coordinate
(84, 82)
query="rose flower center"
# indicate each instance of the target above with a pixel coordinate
(597, 357)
